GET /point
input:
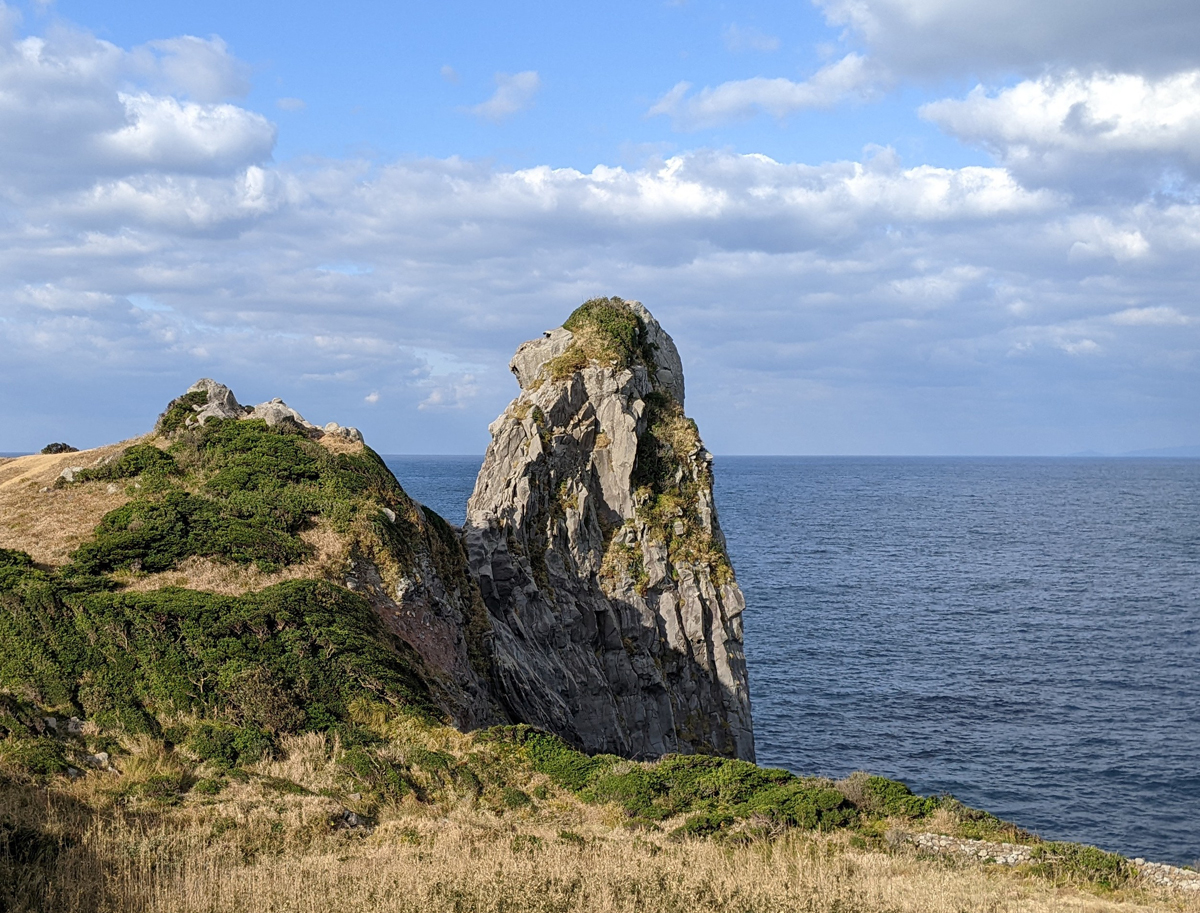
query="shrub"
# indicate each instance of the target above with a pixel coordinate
(703, 825)
(386, 779)
(513, 798)
(209, 786)
(891, 797)
(179, 410)
(229, 746)
(635, 789)
(552, 756)
(140, 459)
(618, 332)
(59, 447)
(1077, 862)
(129, 658)
(42, 756)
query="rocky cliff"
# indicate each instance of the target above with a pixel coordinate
(589, 592)
(616, 618)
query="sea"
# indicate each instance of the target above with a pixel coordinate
(1021, 633)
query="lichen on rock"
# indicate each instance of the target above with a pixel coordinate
(594, 539)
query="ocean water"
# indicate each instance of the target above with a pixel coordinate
(1021, 633)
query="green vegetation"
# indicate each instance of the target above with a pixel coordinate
(222, 676)
(58, 447)
(607, 332)
(289, 658)
(668, 482)
(242, 491)
(138, 460)
(179, 410)
(1074, 862)
(715, 793)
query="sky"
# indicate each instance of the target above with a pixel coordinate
(871, 226)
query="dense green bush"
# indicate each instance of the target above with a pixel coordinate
(238, 491)
(42, 756)
(229, 746)
(1077, 862)
(620, 329)
(715, 791)
(179, 410)
(894, 798)
(140, 459)
(131, 660)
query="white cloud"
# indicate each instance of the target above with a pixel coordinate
(1074, 128)
(456, 394)
(200, 69)
(849, 78)
(982, 37)
(168, 135)
(449, 74)
(739, 38)
(67, 115)
(372, 397)
(148, 240)
(1150, 317)
(514, 93)
(290, 104)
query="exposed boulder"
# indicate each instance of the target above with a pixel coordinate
(221, 402)
(592, 534)
(207, 399)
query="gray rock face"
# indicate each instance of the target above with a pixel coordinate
(616, 618)
(221, 401)
(223, 404)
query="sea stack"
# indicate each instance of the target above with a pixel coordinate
(594, 539)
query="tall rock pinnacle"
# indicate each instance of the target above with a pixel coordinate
(594, 540)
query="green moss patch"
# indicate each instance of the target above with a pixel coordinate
(607, 332)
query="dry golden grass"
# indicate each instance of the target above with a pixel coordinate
(331, 556)
(249, 855)
(335, 443)
(255, 848)
(49, 525)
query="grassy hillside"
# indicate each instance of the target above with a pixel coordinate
(257, 739)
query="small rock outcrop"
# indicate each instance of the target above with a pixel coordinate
(207, 399)
(592, 534)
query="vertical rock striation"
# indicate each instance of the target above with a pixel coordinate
(592, 533)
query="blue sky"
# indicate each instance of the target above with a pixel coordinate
(873, 226)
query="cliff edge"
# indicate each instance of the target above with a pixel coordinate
(592, 534)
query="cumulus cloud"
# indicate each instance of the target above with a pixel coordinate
(200, 69)
(983, 38)
(1102, 129)
(158, 243)
(849, 78)
(67, 115)
(514, 93)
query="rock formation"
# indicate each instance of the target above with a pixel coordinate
(208, 399)
(589, 592)
(616, 619)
